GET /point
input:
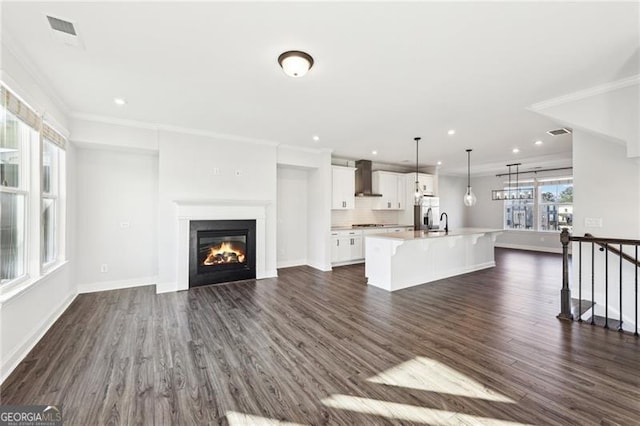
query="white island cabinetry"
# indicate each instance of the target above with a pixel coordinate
(347, 245)
(399, 260)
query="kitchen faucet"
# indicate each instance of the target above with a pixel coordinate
(446, 223)
(429, 219)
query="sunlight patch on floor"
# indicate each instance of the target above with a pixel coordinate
(410, 413)
(430, 375)
(241, 419)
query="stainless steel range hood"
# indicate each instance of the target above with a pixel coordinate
(364, 179)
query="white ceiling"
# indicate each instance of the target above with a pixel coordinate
(383, 73)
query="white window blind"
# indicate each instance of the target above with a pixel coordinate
(18, 108)
(53, 136)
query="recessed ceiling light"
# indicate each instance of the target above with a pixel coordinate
(439, 163)
(119, 101)
(316, 138)
(538, 142)
(374, 152)
(451, 132)
(516, 150)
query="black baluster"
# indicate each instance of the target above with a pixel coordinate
(620, 325)
(636, 333)
(606, 285)
(593, 284)
(580, 281)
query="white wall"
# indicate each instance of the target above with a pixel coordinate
(186, 172)
(606, 187)
(27, 314)
(117, 218)
(451, 189)
(611, 109)
(293, 198)
(319, 214)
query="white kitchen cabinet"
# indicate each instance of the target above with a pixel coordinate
(427, 184)
(343, 188)
(346, 246)
(388, 184)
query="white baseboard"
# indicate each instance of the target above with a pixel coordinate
(320, 267)
(116, 285)
(292, 263)
(167, 287)
(11, 362)
(530, 248)
(269, 274)
(348, 262)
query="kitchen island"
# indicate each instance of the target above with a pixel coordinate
(406, 259)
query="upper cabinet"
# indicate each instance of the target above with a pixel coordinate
(427, 183)
(343, 188)
(392, 187)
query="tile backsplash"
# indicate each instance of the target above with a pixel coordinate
(364, 214)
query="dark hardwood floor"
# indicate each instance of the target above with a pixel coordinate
(323, 348)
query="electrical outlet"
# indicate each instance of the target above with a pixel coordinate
(238, 172)
(593, 222)
(104, 268)
(216, 171)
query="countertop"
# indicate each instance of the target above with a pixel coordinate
(422, 235)
(349, 228)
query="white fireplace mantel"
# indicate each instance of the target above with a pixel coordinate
(213, 209)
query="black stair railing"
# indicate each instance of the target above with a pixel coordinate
(606, 245)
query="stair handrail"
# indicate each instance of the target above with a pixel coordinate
(604, 243)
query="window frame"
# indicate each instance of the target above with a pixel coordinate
(23, 189)
(54, 196)
(537, 204)
(31, 188)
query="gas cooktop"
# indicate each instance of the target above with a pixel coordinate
(367, 225)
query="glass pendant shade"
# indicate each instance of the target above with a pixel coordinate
(470, 198)
(418, 194)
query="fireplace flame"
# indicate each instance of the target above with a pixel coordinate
(224, 253)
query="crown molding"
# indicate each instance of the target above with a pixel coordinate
(305, 149)
(586, 93)
(168, 128)
(41, 81)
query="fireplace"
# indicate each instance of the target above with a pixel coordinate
(221, 251)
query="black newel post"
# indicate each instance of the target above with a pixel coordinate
(565, 293)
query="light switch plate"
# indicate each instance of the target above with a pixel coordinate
(593, 222)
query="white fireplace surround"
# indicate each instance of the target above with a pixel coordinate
(188, 210)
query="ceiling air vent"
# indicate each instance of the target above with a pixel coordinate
(558, 132)
(62, 26)
(64, 31)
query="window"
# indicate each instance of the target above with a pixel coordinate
(16, 137)
(50, 185)
(22, 180)
(552, 200)
(556, 205)
(519, 211)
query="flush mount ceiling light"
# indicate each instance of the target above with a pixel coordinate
(315, 138)
(515, 150)
(451, 132)
(538, 142)
(374, 152)
(119, 101)
(295, 63)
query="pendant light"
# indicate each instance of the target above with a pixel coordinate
(418, 194)
(469, 197)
